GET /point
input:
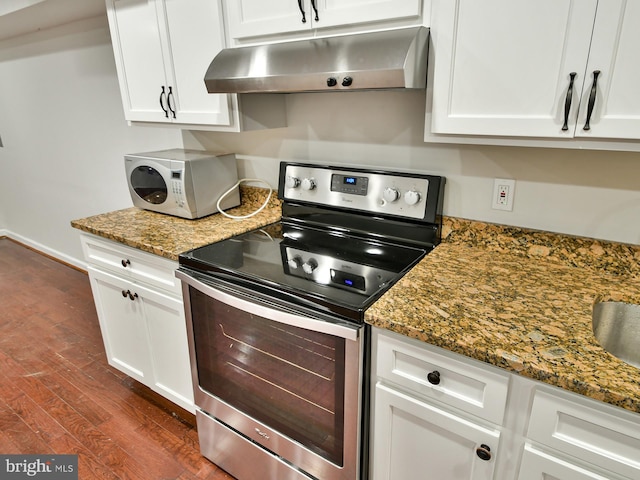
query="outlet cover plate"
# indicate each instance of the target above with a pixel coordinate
(503, 192)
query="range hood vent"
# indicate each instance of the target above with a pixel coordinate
(365, 61)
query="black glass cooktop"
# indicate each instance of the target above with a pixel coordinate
(320, 267)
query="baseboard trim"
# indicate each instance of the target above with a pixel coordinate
(46, 251)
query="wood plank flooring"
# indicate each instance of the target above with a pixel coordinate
(59, 395)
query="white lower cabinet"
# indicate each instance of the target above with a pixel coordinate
(439, 426)
(433, 417)
(537, 465)
(122, 324)
(143, 326)
(598, 435)
(416, 440)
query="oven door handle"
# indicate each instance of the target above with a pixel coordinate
(342, 330)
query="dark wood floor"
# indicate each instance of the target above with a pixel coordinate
(59, 395)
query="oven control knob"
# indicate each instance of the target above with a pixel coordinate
(411, 197)
(391, 194)
(309, 266)
(308, 184)
(292, 182)
(295, 262)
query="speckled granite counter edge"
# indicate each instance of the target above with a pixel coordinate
(604, 271)
(602, 255)
(168, 236)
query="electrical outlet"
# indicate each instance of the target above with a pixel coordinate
(503, 191)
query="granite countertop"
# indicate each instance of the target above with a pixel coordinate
(520, 300)
(169, 236)
(515, 298)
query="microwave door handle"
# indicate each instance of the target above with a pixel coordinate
(343, 331)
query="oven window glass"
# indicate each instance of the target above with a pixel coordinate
(288, 378)
(149, 185)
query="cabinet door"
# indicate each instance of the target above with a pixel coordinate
(415, 440)
(195, 36)
(122, 325)
(139, 59)
(169, 352)
(616, 38)
(503, 67)
(251, 18)
(537, 465)
(344, 12)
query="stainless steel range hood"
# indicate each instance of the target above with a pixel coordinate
(377, 60)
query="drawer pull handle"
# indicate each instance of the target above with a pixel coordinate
(484, 452)
(132, 296)
(125, 263)
(434, 377)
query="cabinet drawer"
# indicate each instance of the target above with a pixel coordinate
(463, 383)
(537, 465)
(131, 263)
(598, 434)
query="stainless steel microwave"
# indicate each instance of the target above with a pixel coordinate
(184, 183)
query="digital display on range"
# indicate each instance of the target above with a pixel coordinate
(349, 184)
(348, 279)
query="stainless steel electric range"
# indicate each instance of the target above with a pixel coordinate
(275, 318)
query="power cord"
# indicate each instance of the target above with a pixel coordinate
(241, 217)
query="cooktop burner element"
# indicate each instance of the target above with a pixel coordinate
(346, 236)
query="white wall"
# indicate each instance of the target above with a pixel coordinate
(587, 193)
(64, 137)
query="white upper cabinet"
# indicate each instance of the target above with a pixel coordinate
(196, 35)
(250, 18)
(526, 68)
(253, 18)
(614, 53)
(162, 51)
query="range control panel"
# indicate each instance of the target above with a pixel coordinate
(386, 193)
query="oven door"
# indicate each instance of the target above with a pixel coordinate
(283, 377)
